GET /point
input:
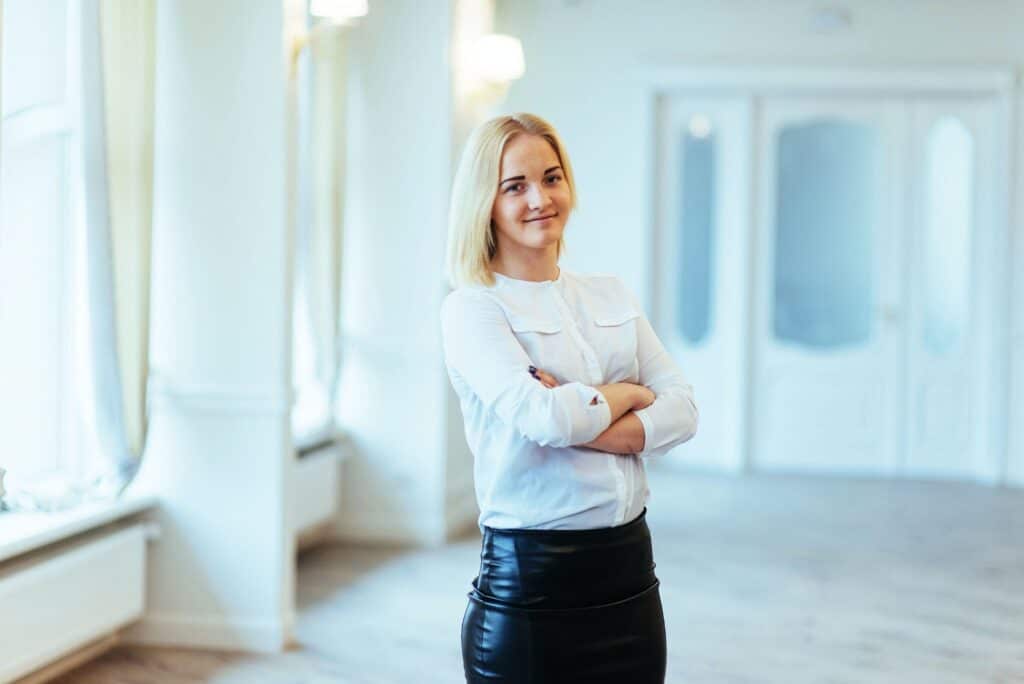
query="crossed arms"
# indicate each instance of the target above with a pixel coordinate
(482, 352)
(625, 435)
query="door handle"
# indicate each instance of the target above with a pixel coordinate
(892, 315)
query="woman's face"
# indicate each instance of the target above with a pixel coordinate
(533, 200)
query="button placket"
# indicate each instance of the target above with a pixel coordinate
(589, 356)
(596, 378)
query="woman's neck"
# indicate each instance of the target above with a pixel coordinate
(537, 267)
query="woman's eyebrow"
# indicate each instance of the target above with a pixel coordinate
(512, 178)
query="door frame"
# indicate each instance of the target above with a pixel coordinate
(660, 84)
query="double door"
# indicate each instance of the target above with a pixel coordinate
(829, 279)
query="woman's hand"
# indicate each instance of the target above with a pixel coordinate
(627, 395)
(545, 379)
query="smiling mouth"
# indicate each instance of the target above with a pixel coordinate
(541, 218)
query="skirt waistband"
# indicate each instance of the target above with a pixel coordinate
(532, 568)
(623, 530)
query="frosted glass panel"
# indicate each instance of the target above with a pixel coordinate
(32, 266)
(947, 244)
(34, 53)
(827, 206)
(697, 233)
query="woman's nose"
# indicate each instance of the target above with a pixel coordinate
(537, 198)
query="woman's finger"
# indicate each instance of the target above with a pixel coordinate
(546, 378)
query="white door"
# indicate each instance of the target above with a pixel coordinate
(829, 291)
(702, 256)
(953, 321)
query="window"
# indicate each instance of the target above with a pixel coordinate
(698, 229)
(40, 248)
(947, 244)
(826, 213)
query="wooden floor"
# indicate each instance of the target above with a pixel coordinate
(764, 579)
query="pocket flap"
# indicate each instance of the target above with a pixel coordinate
(525, 323)
(613, 318)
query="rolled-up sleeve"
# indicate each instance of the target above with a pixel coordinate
(672, 418)
(481, 350)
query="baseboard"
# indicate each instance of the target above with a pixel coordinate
(209, 633)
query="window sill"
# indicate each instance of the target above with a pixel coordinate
(23, 532)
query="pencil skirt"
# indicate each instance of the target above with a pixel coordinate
(565, 606)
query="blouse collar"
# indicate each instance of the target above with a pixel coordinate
(505, 281)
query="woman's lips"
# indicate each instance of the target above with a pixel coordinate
(540, 218)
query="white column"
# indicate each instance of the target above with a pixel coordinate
(394, 399)
(222, 573)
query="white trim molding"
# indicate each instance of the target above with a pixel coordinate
(218, 399)
(994, 79)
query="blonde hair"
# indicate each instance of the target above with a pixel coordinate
(471, 239)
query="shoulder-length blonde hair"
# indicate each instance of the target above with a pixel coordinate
(471, 239)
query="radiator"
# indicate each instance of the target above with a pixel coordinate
(57, 599)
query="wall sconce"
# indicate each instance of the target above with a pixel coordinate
(339, 11)
(492, 63)
(329, 16)
(499, 59)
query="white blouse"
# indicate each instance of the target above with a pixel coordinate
(585, 330)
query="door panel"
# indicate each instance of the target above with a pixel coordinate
(948, 388)
(701, 301)
(829, 294)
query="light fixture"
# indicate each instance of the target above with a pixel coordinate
(329, 16)
(498, 58)
(338, 11)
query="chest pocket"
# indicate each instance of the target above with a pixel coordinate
(540, 336)
(614, 333)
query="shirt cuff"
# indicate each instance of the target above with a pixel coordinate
(598, 413)
(648, 424)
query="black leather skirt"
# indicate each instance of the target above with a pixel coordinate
(565, 606)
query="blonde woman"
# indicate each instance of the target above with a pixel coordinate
(565, 390)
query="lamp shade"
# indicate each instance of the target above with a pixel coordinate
(499, 58)
(338, 11)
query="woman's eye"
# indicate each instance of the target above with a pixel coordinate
(515, 187)
(554, 179)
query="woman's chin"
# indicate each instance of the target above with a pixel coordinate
(547, 243)
(547, 236)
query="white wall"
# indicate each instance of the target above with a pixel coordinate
(582, 58)
(222, 573)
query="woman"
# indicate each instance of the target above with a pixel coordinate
(564, 389)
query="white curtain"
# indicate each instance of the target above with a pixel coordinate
(118, 40)
(110, 44)
(320, 205)
(129, 40)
